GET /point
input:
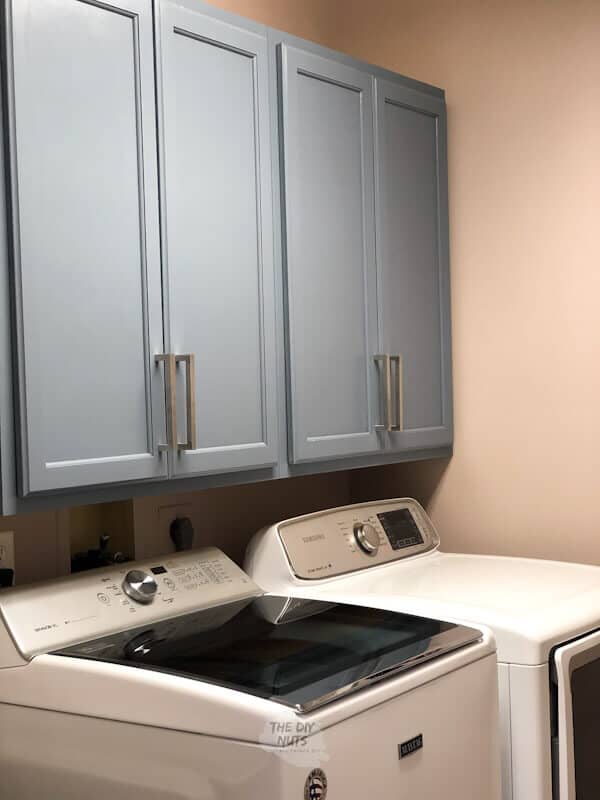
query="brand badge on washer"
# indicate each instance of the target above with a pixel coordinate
(315, 787)
(411, 746)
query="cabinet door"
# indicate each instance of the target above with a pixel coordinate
(219, 238)
(329, 242)
(412, 251)
(86, 241)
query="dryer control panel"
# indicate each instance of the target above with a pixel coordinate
(52, 615)
(341, 540)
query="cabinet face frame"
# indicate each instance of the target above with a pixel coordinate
(304, 444)
(36, 472)
(249, 43)
(398, 94)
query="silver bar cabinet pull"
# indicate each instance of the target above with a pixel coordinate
(190, 401)
(385, 360)
(399, 399)
(168, 359)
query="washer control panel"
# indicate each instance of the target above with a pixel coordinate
(341, 540)
(52, 615)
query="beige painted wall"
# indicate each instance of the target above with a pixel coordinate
(228, 517)
(524, 130)
(42, 546)
(523, 91)
(524, 159)
(311, 19)
(225, 517)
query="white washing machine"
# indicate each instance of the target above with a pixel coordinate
(178, 679)
(545, 617)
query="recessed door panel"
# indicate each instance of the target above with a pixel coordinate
(329, 238)
(85, 230)
(217, 164)
(412, 259)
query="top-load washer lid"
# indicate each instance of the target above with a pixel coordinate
(301, 653)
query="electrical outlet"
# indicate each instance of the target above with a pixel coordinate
(7, 550)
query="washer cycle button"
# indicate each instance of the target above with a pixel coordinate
(140, 586)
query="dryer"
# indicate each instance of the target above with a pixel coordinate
(178, 678)
(545, 617)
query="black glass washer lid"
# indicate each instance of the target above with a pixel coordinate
(298, 652)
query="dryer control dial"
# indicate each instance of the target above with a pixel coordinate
(140, 586)
(367, 538)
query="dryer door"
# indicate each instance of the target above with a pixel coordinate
(576, 755)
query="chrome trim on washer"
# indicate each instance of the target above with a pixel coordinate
(441, 645)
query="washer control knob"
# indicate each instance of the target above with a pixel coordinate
(367, 538)
(140, 586)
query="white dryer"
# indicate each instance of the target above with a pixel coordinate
(545, 617)
(178, 679)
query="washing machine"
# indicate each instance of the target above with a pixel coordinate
(180, 679)
(545, 617)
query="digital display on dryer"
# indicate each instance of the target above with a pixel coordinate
(400, 528)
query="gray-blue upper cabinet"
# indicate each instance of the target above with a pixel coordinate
(144, 151)
(85, 241)
(329, 248)
(412, 258)
(366, 249)
(218, 241)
